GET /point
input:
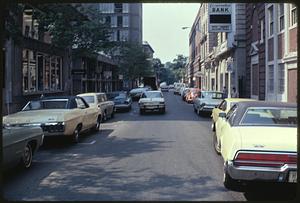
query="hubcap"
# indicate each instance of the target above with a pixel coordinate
(27, 156)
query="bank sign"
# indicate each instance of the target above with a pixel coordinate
(219, 17)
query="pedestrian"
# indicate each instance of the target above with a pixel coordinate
(225, 92)
(234, 93)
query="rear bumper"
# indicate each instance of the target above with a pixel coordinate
(152, 107)
(247, 173)
(122, 106)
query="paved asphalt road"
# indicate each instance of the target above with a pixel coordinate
(134, 157)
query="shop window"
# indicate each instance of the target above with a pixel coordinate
(41, 72)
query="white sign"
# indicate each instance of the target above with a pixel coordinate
(219, 17)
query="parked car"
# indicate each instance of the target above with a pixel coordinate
(111, 95)
(207, 101)
(258, 142)
(224, 106)
(19, 144)
(123, 102)
(58, 116)
(185, 92)
(171, 87)
(182, 89)
(164, 88)
(152, 100)
(99, 100)
(136, 93)
(191, 95)
(178, 86)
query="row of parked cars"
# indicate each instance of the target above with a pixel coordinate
(256, 139)
(69, 116)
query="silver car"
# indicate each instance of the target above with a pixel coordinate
(207, 101)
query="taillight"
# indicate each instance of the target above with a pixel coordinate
(264, 159)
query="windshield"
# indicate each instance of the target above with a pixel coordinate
(270, 116)
(152, 95)
(212, 95)
(46, 104)
(89, 99)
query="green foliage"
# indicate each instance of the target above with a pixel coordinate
(134, 61)
(175, 70)
(83, 31)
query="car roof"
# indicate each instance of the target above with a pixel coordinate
(243, 106)
(90, 94)
(154, 91)
(55, 97)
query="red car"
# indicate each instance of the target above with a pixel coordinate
(193, 93)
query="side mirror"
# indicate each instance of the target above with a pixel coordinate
(222, 115)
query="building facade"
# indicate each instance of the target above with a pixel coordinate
(281, 52)
(124, 19)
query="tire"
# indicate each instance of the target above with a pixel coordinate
(26, 159)
(142, 112)
(163, 111)
(98, 124)
(75, 136)
(217, 145)
(232, 184)
(104, 118)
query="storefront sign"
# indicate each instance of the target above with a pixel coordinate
(219, 17)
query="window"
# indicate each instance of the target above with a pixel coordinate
(119, 21)
(262, 30)
(293, 14)
(41, 72)
(80, 103)
(114, 21)
(106, 8)
(281, 78)
(30, 25)
(271, 79)
(118, 35)
(281, 17)
(118, 8)
(125, 8)
(124, 35)
(125, 21)
(271, 21)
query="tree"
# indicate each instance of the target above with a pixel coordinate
(83, 32)
(134, 62)
(177, 67)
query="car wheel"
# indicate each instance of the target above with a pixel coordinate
(217, 145)
(98, 124)
(75, 137)
(231, 184)
(26, 159)
(142, 111)
(104, 118)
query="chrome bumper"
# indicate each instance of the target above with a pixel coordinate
(249, 173)
(152, 107)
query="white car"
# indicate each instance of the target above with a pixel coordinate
(152, 100)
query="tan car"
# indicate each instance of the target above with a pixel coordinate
(99, 101)
(67, 116)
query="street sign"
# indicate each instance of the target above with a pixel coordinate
(219, 17)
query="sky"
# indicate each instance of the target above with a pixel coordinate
(162, 28)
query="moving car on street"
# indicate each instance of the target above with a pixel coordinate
(224, 106)
(58, 116)
(152, 100)
(19, 144)
(99, 100)
(136, 93)
(258, 142)
(123, 102)
(207, 101)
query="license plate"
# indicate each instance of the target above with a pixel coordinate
(292, 177)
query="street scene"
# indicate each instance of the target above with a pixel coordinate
(111, 102)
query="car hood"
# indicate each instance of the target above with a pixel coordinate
(35, 116)
(151, 100)
(269, 138)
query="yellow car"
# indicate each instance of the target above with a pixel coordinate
(57, 116)
(224, 106)
(258, 142)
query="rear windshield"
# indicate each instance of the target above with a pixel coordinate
(212, 95)
(89, 99)
(270, 116)
(152, 95)
(46, 104)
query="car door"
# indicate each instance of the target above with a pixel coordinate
(108, 104)
(82, 109)
(221, 108)
(91, 114)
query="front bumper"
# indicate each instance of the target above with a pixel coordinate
(206, 108)
(287, 173)
(53, 129)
